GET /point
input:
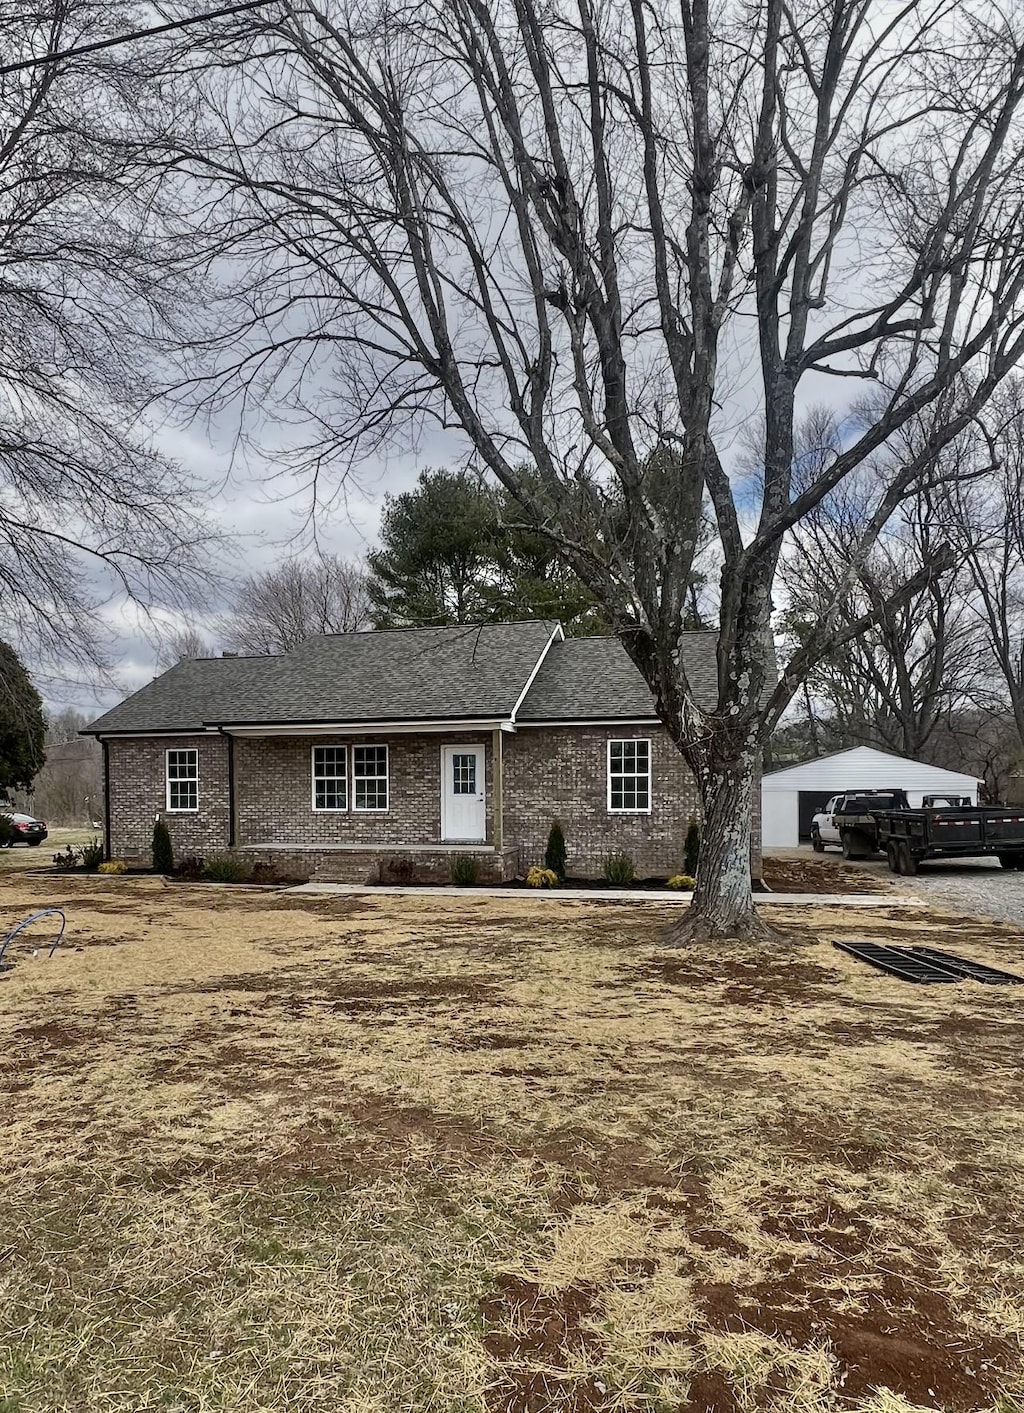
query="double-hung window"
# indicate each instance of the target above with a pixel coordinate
(330, 777)
(629, 776)
(182, 779)
(370, 777)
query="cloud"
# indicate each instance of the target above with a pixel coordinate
(264, 516)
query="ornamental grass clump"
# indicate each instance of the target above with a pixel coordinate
(465, 870)
(224, 869)
(538, 877)
(113, 866)
(682, 882)
(619, 869)
(92, 853)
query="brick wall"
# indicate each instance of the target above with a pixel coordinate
(549, 773)
(273, 792)
(561, 773)
(138, 793)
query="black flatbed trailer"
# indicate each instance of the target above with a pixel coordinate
(964, 832)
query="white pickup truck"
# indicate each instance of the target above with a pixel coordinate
(847, 820)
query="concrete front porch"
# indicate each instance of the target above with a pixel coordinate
(382, 863)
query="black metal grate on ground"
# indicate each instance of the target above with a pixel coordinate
(974, 971)
(897, 963)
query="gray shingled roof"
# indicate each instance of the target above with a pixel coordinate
(185, 697)
(594, 679)
(421, 674)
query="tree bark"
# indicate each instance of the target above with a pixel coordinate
(723, 902)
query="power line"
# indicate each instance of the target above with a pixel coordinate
(57, 54)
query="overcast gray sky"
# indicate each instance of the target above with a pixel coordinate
(264, 519)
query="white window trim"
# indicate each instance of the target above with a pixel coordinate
(178, 750)
(386, 777)
(328, 809)
(639, 809)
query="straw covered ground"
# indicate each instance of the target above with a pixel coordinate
(498, 1156)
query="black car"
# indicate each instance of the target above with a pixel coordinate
(33, 831)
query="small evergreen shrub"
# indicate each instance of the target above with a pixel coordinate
(8, 833)
(683, 882)
(691, 849)
(541, 878)
(224, 869)
(67, 859)
(465, 870)
(92, 853)
(554, 854)
(163, 852)
(113, 866)
(190, 868)
(619, 869)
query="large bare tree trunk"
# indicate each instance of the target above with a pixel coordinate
(722, 905)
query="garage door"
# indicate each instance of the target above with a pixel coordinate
(810, 802)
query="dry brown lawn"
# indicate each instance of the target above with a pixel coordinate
(486, 1156)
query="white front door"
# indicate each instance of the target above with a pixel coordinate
(463, 809)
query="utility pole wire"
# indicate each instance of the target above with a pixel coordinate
(57, 54)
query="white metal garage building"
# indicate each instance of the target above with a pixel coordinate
(792, 796)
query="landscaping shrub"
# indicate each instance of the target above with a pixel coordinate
(691, 849)
(8, 833)
(113, 866)
(67, 859)
(92, 853)
(163, 852)
(190, 868)
(263, 872)
(683, 882)
(542, 877)
(224, 869)
(465, 870)
(619, 869)
(398, 870)
(554, 854)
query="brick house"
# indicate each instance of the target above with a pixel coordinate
(363, 756)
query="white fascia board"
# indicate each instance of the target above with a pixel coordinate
(147, 735)
(592, 721)
(557, 636)
(370, 728)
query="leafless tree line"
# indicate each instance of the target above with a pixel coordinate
(89, 510)
(275, 609)
(940, 675)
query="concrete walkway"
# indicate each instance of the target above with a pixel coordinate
(608, 895)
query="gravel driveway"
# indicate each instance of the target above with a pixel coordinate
(978, 887)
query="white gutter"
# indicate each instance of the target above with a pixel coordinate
(370, 728)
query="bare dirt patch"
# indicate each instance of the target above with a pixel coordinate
(820, 874)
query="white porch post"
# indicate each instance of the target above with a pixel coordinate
(497, 770)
